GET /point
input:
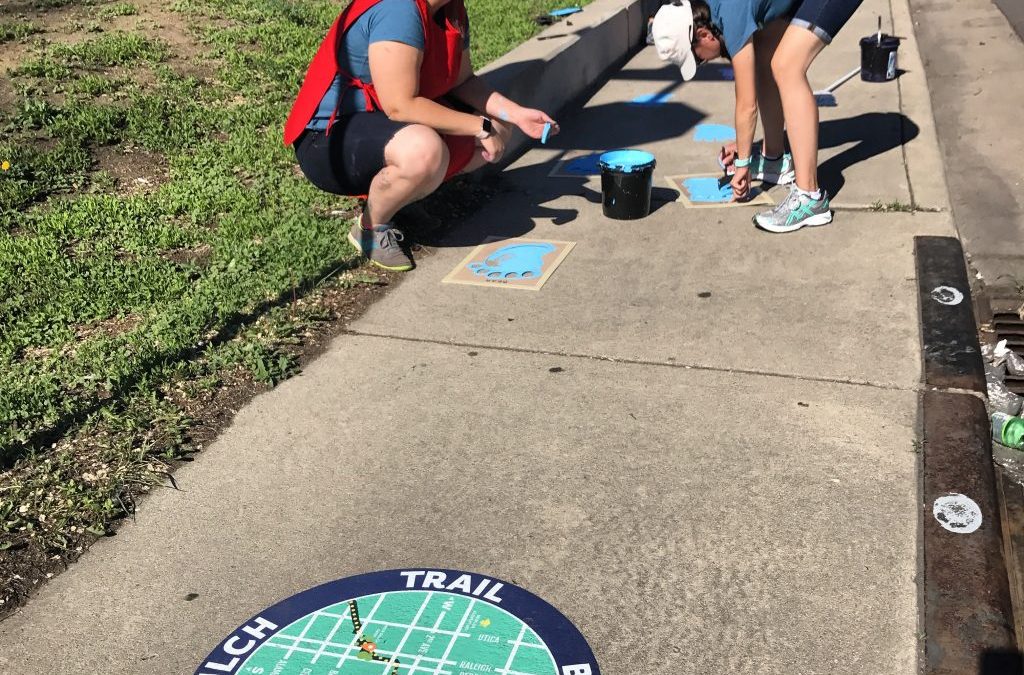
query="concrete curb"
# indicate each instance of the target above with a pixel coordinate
(923, 156)
(565, 61)
(968, 621)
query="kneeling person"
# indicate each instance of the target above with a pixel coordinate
(369, 119)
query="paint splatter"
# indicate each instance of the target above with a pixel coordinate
(517, 261)
(565, 12)
(714, 133)
(947, 295)
(587, 165)
(651, 99)
(957, 513)
(705, 190)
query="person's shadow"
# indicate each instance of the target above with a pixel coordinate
(873, 133)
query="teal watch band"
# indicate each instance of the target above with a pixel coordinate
(741, 163)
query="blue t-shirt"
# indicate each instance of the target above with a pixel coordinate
(740, 19)
(387, 21)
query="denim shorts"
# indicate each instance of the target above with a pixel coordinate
(825, 18)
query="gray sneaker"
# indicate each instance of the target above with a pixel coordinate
(382, 245)
(777, 171)
(795, 211)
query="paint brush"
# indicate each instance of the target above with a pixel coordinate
(826, 97)
(879, 30)
(544, 136)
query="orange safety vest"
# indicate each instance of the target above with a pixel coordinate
(442, 63)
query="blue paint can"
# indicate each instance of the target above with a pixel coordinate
(627, 177)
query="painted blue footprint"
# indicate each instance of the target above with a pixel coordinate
(516, 261)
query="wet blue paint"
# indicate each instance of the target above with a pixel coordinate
(565, 12)
(516, 261)
(627, 161)
(714, 133)
(704, 189)
(726, 73)
(652, 99)
(583, 166)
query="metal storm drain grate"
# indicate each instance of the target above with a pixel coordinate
(1008, 325)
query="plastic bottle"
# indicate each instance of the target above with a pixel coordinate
(1008, 430)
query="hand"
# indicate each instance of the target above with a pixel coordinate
(727, 156)
(532, 122)
(741, 184)
(493, 148)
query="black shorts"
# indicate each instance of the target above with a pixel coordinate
(825, 18)
(345, 161)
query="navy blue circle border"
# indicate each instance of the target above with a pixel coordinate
(565, 642)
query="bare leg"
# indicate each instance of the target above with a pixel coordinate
(416, 160)
(793, 57)
(768, 101)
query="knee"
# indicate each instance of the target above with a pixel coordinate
(419, 154)
(787, 69)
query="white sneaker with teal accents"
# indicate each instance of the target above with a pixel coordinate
(796, 210)
(777, 171)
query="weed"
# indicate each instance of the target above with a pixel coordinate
(16, 30)
(893, 206)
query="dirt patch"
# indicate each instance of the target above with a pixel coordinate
(133, 169)
(197, 255)
(25, 565)
(117, 325)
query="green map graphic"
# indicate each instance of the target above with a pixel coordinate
(404, 633)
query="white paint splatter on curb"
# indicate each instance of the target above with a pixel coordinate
(957, 513)
(947, 295)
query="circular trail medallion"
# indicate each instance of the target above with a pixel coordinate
(406, 622)
(947, 295)
(957, 513)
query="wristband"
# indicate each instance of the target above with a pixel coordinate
(741, 163)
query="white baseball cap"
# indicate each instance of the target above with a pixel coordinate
(673, 36)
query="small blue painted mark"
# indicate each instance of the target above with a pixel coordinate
(565, 12)
(516, 261)
(652, 99)
(588, 165)
(705, 190)
(714, 133)
(727, 73)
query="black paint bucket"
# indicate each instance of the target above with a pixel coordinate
(878, 58)
(626, 180)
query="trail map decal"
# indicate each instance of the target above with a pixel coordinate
(406, 622)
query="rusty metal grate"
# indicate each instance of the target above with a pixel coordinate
(1009, 326)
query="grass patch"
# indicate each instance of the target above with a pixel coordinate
(16, 30)
(119, 9)
(893, 206)
(123, 306)
(497, 26)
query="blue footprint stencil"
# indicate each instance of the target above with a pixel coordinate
(516, 261)
(714, 133)
(705, 189)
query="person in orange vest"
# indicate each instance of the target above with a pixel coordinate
(370, 119)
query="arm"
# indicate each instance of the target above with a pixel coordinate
(746, 114)
(395, 70)
(474, 91)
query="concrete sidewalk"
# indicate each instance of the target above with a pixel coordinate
(722, 484)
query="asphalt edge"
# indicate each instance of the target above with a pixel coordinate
(967, 613)
(556, 68)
